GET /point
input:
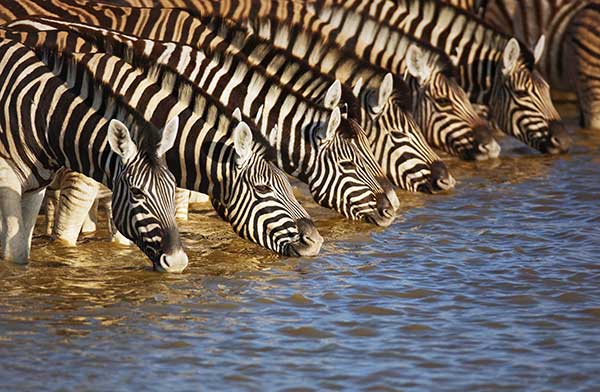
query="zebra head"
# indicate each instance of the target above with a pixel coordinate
(520, 102)
(261, 206)
(143, 201)
(347, 177)
(443, 110)
(404, 154)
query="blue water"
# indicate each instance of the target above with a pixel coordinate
(494, 286)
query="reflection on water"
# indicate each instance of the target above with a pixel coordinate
(493, 286)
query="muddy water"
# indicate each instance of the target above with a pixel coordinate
(495, 286)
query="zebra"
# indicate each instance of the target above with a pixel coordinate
(495, 70)
(395, 138)
(573, 41)
(456, 128)
(442, 108)
(45, 125)
(365, 193)
(314, 162)
(211, 155)
(404, 164)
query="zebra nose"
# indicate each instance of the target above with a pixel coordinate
(441, 179)
(310, 239)
(485, 146)
(560, 141)
(385, 206)
(173, 262)
(390, 192)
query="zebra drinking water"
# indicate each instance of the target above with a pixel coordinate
(250, 193)
(570, 62)
(45, 125)
(496, 70)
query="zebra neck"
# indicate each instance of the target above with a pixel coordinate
(78, 138)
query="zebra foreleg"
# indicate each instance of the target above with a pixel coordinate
(18, 212)
(77, 196)
(52, 198)
(91, 219)
(30, 208)
(182, 201)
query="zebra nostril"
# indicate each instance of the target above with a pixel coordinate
(441, 179)
(485, 146)
(390, 192)
(164, 261)
(489, 150)
(310, 240)
(388, 212)
(560, 140)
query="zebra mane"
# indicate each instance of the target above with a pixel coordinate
(102, 99)
(203, 104)
(526, 54)
(349, 128)
(189, 94)
(234, 33)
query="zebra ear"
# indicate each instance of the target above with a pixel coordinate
(357, 87)
(120, 140)
(333, 95)
(242, 142)
(386, 88)
(416, 65)
(539, 48)
(169, 134)
(334, 123)
(511, 54)
(237, 114)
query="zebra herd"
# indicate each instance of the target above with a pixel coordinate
(229, 98)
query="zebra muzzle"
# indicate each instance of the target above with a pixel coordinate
(176, 261)
(484, 146)
(384, 213)
(559, 141)
(441, 179)
(310, 240)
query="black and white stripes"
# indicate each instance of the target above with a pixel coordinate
(46, 125)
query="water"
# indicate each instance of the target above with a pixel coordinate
(495, 286)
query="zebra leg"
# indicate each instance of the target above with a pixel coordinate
(12, 240)
(182, 201)
(585, 44)
(30, 208)
(77, 195)
(91, 220)
(197, 197)
(52, 198)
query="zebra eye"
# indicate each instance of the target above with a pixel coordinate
(347, 165)
(263, 189)
(521, 93)
(137, 193)
(443, 101)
